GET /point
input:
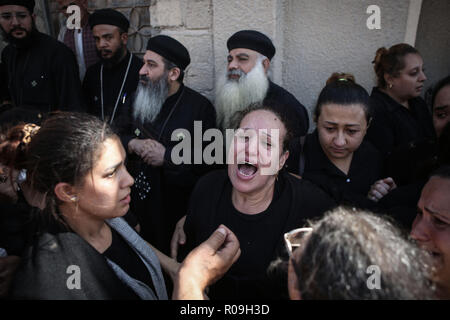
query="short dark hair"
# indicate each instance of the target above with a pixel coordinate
(440, 85)
(169, 65)
(336, 255)
(342, 89)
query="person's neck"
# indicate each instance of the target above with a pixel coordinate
(343, 164)
(173, 88)
(93, 230)
(256, 202)
(402, 101)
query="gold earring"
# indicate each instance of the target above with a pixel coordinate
(390, 85)
(74, 199)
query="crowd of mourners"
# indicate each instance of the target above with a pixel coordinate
(357, 207)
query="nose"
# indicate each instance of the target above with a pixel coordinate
(339, 140)
(419, 231)
(128, 180)
(14, 20)
(232, 65)
(143, 71)
(102, 43)
(423, 77)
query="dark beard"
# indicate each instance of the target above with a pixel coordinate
(25, 42)
(115, 59)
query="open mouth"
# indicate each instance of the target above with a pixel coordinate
(247, 170)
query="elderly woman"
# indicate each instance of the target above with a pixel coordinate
(256, 199)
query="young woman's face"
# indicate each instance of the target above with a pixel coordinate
(431, 228)
(257, 151)
(341, 129)
(409, 83)
(105, 192)
(441, 110)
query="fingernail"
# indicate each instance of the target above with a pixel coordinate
(222, 231)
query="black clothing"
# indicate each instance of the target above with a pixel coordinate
(112, 82)
(253, 40)
(295, 113)
(125, 257)
(47, 261)
(43, 76)
(393, 125)
(260, 235)
(351, 189)
(160, 194)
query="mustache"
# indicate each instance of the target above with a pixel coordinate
(18, 29)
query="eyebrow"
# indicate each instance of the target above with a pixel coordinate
(439, 215)
(347, 125)
(114, 167)
(262, 131)
(440, 108)
(150, 61)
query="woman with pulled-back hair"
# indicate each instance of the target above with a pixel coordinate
(335, 156)
(77, 163)
(401, 116)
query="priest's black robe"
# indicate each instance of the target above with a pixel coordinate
(160, 194)
(43, 76)
(113, 78)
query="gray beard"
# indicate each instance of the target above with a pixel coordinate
(149, 99)
(233, 96)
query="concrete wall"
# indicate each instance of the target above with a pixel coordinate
(323, 36)
(433, 39)
(313, 38)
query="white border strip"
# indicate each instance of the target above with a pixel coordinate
(415, 7)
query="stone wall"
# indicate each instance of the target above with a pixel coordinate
(313, 38)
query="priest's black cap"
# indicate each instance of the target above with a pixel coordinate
(111, 17)
(254, 40)
(29, 4)
(170, 49)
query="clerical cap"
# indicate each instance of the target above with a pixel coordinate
(170, 49)
(110, 17)
(29, 4)
(254, 40)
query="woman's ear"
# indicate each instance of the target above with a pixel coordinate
(283, 159)
(65, 192)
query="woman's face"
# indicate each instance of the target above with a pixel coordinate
(441, 110)
(341, 129)
(409, 83)
(431, 227)
(105, 192)
(256, 154)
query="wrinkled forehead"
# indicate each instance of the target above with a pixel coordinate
(263, 121)
(436, 195)
(244, 52)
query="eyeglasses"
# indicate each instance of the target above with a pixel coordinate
(9, 15)
(293, 239)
